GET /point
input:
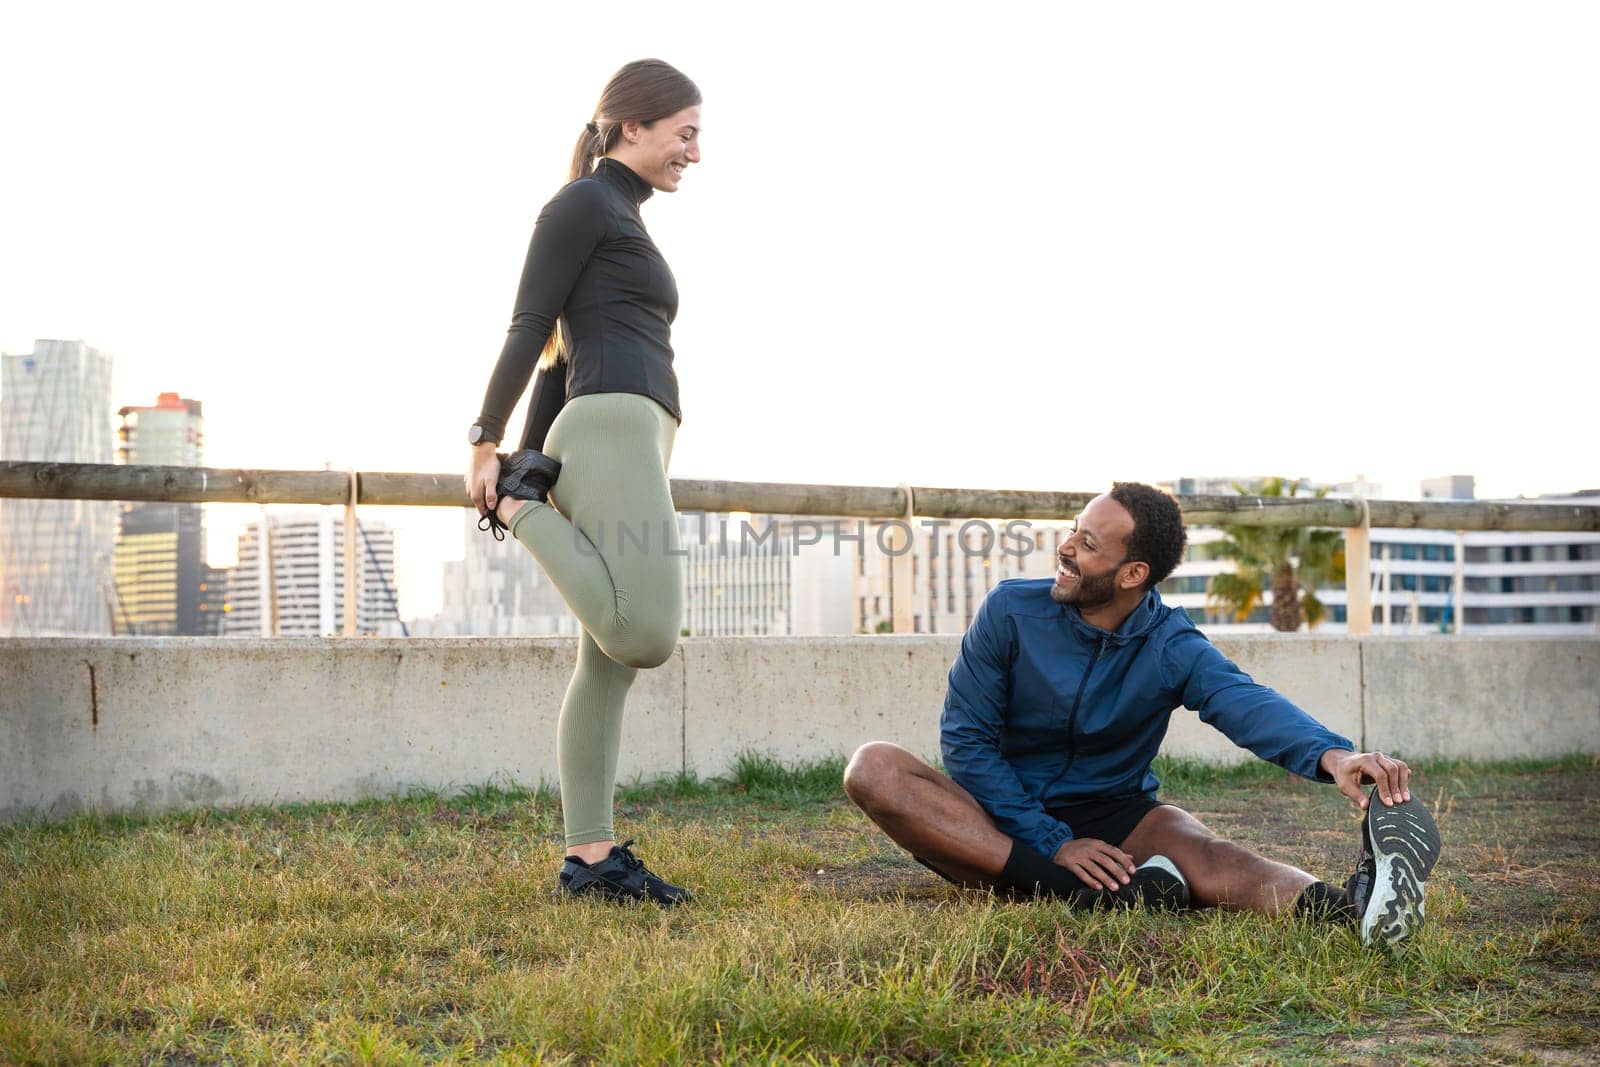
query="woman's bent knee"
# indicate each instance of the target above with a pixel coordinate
(644, 651)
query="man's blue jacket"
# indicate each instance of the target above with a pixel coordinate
(1044, 709)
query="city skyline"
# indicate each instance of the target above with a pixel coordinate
(760, 591)
(425, 576)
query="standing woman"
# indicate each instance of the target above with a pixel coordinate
(597, 442)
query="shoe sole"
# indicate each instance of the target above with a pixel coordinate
(561, 894)
(1405, 846)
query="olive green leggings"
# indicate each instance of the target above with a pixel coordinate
(612, 551)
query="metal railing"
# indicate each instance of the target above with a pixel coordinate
(99, 481)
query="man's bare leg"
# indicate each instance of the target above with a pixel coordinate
(1220, 873)
(926, 813)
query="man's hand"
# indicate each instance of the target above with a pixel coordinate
(1097, 864)
(1349, 770)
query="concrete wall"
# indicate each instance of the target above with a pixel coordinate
(1496, 698)
(153, 723)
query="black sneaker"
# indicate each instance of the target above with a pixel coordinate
(524, 475)
(621, 876)
(1399, 846)
(1157, 884)
(527, 475)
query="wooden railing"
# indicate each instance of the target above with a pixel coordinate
(97, 481)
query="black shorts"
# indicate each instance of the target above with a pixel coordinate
(1110, 821)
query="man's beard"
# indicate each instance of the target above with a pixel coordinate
(1089, 593)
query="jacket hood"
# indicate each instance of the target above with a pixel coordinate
(1145, 618)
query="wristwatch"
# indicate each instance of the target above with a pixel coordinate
(477, 435)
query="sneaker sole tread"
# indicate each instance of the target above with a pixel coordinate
(1405, 846)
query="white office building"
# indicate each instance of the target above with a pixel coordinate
(1524, 583)
(56, 555)
(738, 573)
(289, 581)
(766, 575)
(738, 590)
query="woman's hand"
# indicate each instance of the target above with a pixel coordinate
(483, 470)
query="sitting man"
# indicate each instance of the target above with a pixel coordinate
(1056, 707)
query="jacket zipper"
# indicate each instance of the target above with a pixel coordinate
(1072, 716)
(1072, 722)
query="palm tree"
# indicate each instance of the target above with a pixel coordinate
(1292, 560)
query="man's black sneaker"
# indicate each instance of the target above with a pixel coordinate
(1322, 902)
(524, 475)
(621, 876)
(1399, 846)
(1157, 884)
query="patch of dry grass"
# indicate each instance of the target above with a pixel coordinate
(421, 930)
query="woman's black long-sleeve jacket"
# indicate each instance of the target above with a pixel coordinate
(591, 264)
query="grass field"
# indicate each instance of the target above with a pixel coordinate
(421, 930)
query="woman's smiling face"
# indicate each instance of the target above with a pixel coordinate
(661, 152)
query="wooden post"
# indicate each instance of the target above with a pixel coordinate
(1358, 575)
(903, 593)
(269, 579)
(351, 616)
(1384, 579)
(1459, 583)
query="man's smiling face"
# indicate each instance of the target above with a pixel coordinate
(1088, 561)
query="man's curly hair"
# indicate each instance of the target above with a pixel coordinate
(1158, 533)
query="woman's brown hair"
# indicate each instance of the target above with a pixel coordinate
(642, 91)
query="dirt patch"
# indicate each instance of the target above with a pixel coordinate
(1415, 1041)
(879, 882)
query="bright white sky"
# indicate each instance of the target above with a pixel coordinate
(1025, 246)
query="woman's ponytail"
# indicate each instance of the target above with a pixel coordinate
(590, 147)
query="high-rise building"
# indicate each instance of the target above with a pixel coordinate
(497, 590)
(163, 585)
(290, 582)
(170, 433)
(765, 575)
(56, 555)
(160, 572)
(737, 582)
